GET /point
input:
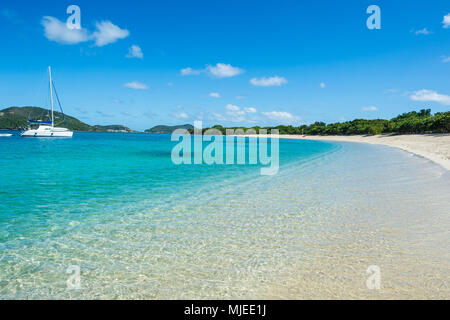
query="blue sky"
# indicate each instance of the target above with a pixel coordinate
(143, 63)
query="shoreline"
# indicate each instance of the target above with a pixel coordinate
(434, 147)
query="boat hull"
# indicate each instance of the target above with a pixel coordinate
(47, 133)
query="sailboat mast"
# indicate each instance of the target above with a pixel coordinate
(51, 91)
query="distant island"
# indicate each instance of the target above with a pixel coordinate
(169, 129)
(16, 118)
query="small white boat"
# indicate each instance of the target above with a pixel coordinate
(47, 131)
(47, 128)
(5, 134)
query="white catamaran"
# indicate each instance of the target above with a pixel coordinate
(47, 128)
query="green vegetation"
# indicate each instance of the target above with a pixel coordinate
(168, 129)
(111, 128)
(424, 121)
(407, 123)
(15, 118)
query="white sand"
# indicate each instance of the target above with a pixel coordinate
(435, 147)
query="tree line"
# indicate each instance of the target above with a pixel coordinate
(407, 123)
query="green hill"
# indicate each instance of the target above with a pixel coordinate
(15, 118)
(168, 129)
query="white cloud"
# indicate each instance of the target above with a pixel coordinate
(136, 85)
(280, 115)
(430, 95)
(268, 82)
(322, 85)
(370, 108)
(424, 31)
(231, 107)
(189, 72)
(235, 113)
(445, 59)
(55, 30)
(107, 33)
(214, 95)
(222, 70)
(218, 117)
(446, 21)
(135, 52)
(181, 115)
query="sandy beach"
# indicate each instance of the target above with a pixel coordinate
(435, 147)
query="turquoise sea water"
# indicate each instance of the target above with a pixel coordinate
(139, 226)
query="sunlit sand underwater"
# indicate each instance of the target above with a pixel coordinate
(140, 227)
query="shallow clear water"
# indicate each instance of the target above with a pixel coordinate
(141, 227)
